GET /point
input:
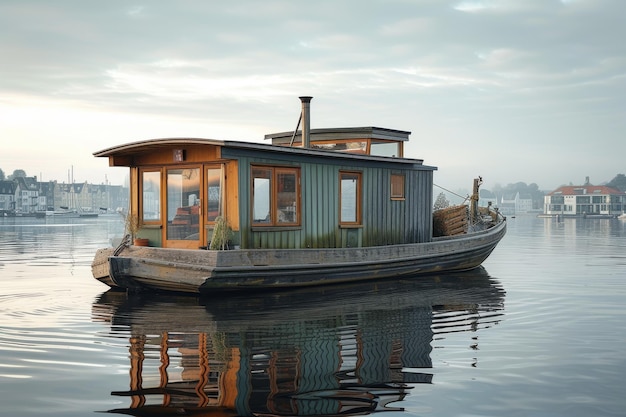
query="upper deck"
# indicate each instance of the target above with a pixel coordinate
(367, 140)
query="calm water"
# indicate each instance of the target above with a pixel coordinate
(538, 332)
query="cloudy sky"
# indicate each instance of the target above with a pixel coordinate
(513, 90)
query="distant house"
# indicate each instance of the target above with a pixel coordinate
(515, 203)
(507, 204)
(70, 196)
(487, 197)
(524, 203)
(582, 200)
(7, 197)
(81, 196)
(26, 195)
(46, 196)
(109, 197)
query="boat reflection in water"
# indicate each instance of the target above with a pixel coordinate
(334, 350)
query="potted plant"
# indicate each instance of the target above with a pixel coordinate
(131, 224)
(221, 234)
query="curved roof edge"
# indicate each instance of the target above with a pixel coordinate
(152, 144)
(131, 147)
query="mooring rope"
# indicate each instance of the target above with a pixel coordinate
(465, 198)
(123, 244)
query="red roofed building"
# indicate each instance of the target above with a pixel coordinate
(583, 200)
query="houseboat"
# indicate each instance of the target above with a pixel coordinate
(312, 207)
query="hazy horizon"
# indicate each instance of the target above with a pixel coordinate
(511, 90)
(464, 189)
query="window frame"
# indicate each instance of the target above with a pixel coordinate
(358, 222)
(275, 171)
(399, 183)
(142, 218)
(222, 184)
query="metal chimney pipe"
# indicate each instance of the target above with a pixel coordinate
(306, 121)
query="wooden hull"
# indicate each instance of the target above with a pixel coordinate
(204, 272)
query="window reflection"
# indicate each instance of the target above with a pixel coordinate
(261, 195)
(286, 198)
(151, 195)
(384, 149)
(350, 186)
(275, 196)
(214, 193)
(183, 204)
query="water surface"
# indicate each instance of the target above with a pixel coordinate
(537, 332)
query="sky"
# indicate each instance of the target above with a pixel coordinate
(527, 91)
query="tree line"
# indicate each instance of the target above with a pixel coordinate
(530, 190)
(618, 182)
(16, 174)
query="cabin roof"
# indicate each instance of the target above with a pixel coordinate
(365, 132)
(585, 190)
(151, 145)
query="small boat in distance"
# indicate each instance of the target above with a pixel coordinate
(316, 206)
(87, 212)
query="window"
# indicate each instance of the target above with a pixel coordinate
(275, 196)
(183, 203)
(350, 198)
(214, 179)
(359, 147)
(385, 149)
(151, 196)
(397, 187)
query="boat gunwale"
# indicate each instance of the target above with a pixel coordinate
(222, 262)
(435, 242)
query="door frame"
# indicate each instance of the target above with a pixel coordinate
(194, 210)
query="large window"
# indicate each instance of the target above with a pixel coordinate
(151, 196)
(275, 196)
(183, 203)
(350, 198)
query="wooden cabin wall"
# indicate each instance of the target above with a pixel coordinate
(320, 206)
(384, 221)
(231, 205)
(387, 221)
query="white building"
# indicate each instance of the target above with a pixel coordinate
(515, 204)
(581, 200)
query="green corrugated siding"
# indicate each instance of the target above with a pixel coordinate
(387, 221)
(384, 221)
